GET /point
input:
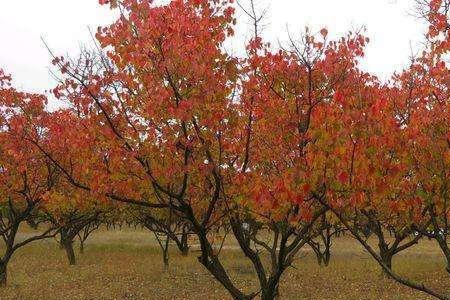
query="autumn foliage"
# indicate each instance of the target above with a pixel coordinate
(281, 147)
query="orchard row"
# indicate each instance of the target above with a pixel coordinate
(283, 148)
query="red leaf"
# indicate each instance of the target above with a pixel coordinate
(343, 177)
(306, 188)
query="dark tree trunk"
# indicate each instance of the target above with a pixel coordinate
(166, 253)
(209, 260)
(3, 274)
(81, 246)
(9, 243)
(214, 266)
(386, 257)
(217, 270)
(183, 245)
(327, 250)
(165, 260)
(323, 259)
(442, 241)
(326, 257)
(184, 251)
(68, 247)
(319, 258)
(271, 291)
(164, 245)
(322, 256)
(268, 294)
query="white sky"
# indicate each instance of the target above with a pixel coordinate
(63, 24)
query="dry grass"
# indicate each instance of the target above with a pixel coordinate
(126, 264)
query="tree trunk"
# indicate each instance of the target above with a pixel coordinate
(3, 274)
(319, 259)
(183, 245)
(210, 261)
(81, 246)
(216, 269)
(326, 257)
(68, 247)
(166, 260)
(184, 251)
(386, 257)
(271, 292)
(214, 266)
(442, 242)
(166, 253)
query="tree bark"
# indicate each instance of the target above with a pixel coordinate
(209, 260)
(386, 257)
(319, 259)
(81, 247)
(445, 250)
(68, 247)
(271, 291)
(165, 260)
(183, 245)
(166, 253)
(214, 266)
(268, 294)
(3, 274)
(326, 257)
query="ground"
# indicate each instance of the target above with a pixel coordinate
(126, 264)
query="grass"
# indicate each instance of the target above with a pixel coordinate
(126, 264)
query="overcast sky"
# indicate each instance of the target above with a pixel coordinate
(64, 25)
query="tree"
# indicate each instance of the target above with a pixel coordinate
(379, 188)
(160, 116)
(26, 176)
(329, 228)
(163, 121)
(427, 123)
(74, 224)
(171, 227)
